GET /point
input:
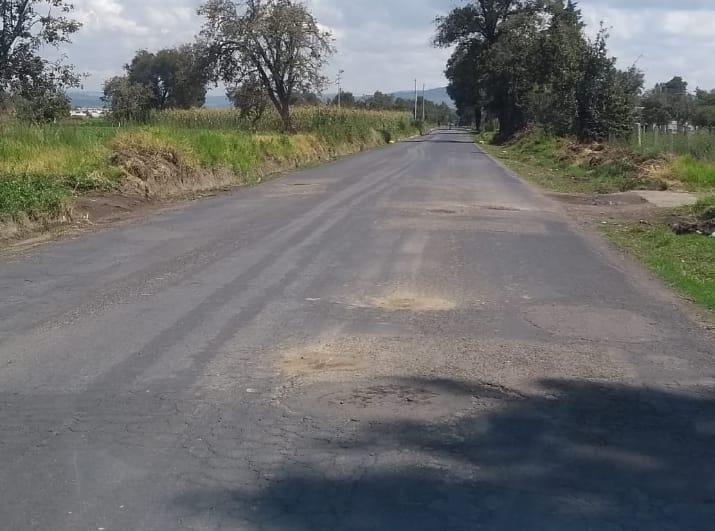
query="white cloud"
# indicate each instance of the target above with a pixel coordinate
(385, 44)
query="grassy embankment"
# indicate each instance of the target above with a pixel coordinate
(686, 262)
(42, 167)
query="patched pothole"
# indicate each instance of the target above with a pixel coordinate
(409, 303)
(501, 208)
(309, 362)
(441, 211)
(594, 323)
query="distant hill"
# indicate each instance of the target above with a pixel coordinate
(436, 95)
(85, 98)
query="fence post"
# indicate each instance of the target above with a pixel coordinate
(640, 138)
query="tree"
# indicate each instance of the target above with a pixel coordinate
(277, 41)
(250, 99)
(606, 96)
(128, 101)
(490, 35)
(347, 99)
(176, 77)
(528, 61)
(24, 75)
(380, 101)
(464, 84)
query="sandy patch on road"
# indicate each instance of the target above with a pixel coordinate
(412, 303)
(323, 360)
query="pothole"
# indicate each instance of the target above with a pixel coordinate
(391, 400)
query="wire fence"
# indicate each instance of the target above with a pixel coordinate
(698, 143)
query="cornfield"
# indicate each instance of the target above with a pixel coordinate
(325, 121)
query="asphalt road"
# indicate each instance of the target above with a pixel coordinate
(410, 338)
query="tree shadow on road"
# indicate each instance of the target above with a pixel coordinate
(575, 455)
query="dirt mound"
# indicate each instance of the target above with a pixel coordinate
(650, 171)
(157, 169)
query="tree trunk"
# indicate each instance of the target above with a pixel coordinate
(286, 117)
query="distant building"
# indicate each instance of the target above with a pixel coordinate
(88, 112)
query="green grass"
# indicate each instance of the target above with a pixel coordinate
(554, 164)
(685, 262)
(41, 166)
(704, 209)
(696, 174)
(33, 196)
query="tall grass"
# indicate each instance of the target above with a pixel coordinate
(75, 154)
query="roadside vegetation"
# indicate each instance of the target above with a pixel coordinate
(43, 165)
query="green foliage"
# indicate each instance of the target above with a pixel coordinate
(32, 87)
(127, 101)
(434, 113)
(278, 42)
(250, 98)
(346, 99)
(685, 262)
(606, 97)
(528, 60)
(175, 77)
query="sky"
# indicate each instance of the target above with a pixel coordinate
(385, 44)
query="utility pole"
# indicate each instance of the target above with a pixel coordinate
(415, 100)
(423, 102)
(340, 89)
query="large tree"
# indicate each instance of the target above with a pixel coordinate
(26, 26)
(176, 77)
(485, 60)
(279, 42)
(529, 61)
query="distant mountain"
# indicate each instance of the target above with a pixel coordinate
(85, 98)
(436, 95)
(217, 101)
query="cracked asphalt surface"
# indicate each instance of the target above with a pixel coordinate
(410, 338)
